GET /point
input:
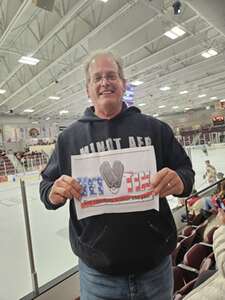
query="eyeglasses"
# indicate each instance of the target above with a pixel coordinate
(111, 76)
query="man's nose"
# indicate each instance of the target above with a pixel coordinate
(104, 80)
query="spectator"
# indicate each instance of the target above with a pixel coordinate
(121, 255)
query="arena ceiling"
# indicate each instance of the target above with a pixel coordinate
(62, 38)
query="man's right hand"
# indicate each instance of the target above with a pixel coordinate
(65, 187)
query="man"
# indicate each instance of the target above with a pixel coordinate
(210, 172)
(122, 255)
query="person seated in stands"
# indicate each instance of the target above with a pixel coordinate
(214, 287)
(212, 203)
(193, 199)
(194, 205)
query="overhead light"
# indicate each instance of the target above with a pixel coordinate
(174, 33)
(165, 88)
(29, 110)
(2, 91)
(104, 1)
(178, 31)
(171, 35)
(207, 107)
(35, 122)
(175, 107)
(205, 54)
(63, 112)
(137, 82)
(141, 104)
(183, 92)
(155, 115)
(54, 97)
(28, 60)
(223, 100)
(213, 98)
(162, 106)
(187, 108)
(202, 96)
(177, 7)
(48, 118)
(212, 52)
(209, 53)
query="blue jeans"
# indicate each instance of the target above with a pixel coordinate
(156, 284)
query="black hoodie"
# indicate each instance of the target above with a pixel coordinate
(120, 243)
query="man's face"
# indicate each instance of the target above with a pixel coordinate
(105, 87)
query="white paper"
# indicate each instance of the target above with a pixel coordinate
(115, 181)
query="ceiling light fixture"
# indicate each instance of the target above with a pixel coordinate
(28, 60)
(48, 118)
(141, 104)
(212, 52)
(155, 115)
(202, 96)
(223, 100)
(207, 107)
(162, 106)
(171, 35)
(104, 1)
(174, 33)
(183, 92)
(209, 53)
(165, 88)
(137, 82)
(63, 112)
(54, 97)
(175, 107)
(29, 110)
(178, 31)
(213, 98)
(187, 108)
(2, 91)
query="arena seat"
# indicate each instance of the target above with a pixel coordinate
(193, 260)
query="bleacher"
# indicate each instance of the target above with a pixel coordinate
(6, 166)
(193, 256)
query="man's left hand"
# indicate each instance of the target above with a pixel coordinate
(167, 182)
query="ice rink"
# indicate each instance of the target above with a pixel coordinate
(53, 255)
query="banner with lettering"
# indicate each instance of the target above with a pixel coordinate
(115, 181)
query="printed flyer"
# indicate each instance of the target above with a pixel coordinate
(115, 181)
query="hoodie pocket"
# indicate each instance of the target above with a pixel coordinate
(163, 229)
(87, 241)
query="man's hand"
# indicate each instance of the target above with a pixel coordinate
(65, 187)
(167, 182)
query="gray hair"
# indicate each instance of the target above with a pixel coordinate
(97, 53)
